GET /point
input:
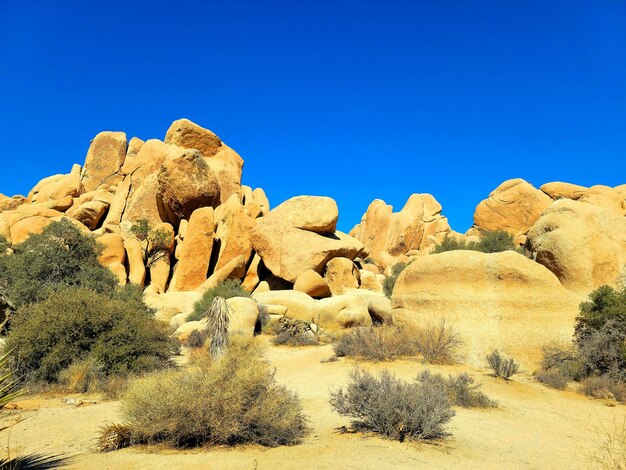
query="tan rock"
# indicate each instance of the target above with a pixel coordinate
(370, 281)
(11, 203)
(113, 255)
(499, 301)
(234, 228)
(513, 206)
(312, 283)
(261, 199)
(142, 203)
(184, 331)
(148, 160)
(300, 306)
(90, 213)
(288, 246)
(160, 273)
(136, 262)
(251, 280)
(342, 311)
(185, 184)
(605, 197)
(557, 190)
(187, 134)
(28, 226)
(57, 187)
(170, 304)
(118, 203)
(234, 269)
(262, 287)
(244, 317)
(388, 235)
(380, 309)
(228, 177)
(104, 160)
(195, 254)
(341, 274)
(583, 244)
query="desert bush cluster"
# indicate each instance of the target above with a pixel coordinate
(230, 401)
(402, 410)
(67, 319)
(597, 358)
(390, 281)
(226, 289)
(292, 332)
(502, 366)
(491, 242)
(436, 343)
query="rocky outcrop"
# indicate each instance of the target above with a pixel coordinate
(341, 274)
(104, 160)
(313, 284)
(389, 236)
(583, 244)
(514, 206)
(299, 235)
(499, 301)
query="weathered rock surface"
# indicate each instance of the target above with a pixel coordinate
(113, 255)
(388, 235)
(232, 235)
(312, 283)
(195, 253)
(499, 300)
(583, 244)
(558, 189)
(341, 274)
(185, 184)
(513, 206)
(104, 160)
(244, 317)
(293, 237)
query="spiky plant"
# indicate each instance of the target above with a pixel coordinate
(8, 382)
(218, 318)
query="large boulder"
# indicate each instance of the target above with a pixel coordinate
(341, 274)
(513, 206)
(232, 235)
(187, 134)
(195, 253)
(58, 187)
(298, 235)
(583, 244)
(558, 189)
(312, 283)
(499, 301)
(185, 184)
(342, 311)
(143, 203)
(388, 235)
(104, 160)
(300, 306)
(113, 255)
(244, 316)
(606, 197)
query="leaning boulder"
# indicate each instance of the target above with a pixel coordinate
(104, 160)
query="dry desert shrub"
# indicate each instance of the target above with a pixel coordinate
(504, 367)
(465, 392)
(375, 343)
(603, 387)
(293, 332)
(553, 378)
(394, 408)
(229, 401)
(611, 453)
(438, 343)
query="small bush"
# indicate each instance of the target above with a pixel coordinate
(565, 361)
(491, 242)
(196, 339)
(552, 378)
(375, 343)
(227, 289)
(293, 332)
(438, 344)
(501, 366)
(465, 392)
(232, 401)
(603, 387)
(114, 437)
(393, 408)
(78, 324)
(86, 376)
(390, 281)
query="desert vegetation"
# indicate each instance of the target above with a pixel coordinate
(390, 281)
(233, 400)
(292, 332)
(491, 242)
(502, 366)
(226, 289)
(436, 343)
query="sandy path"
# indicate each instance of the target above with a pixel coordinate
(533, 427)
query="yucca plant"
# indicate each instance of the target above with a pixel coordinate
(218, 318)
(8, 382)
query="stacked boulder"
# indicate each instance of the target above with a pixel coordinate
(211, 227)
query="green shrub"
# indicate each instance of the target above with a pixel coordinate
(393, 408)
(78, 324)
(227, 289)
(503, 367)
(390, 281)
(465, 392)
(552, 378)
(232, 401)
(600, 333)
(375, 343)
(491, 242)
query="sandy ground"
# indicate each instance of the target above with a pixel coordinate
(533, 427)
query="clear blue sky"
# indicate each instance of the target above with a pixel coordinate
(356, 100)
